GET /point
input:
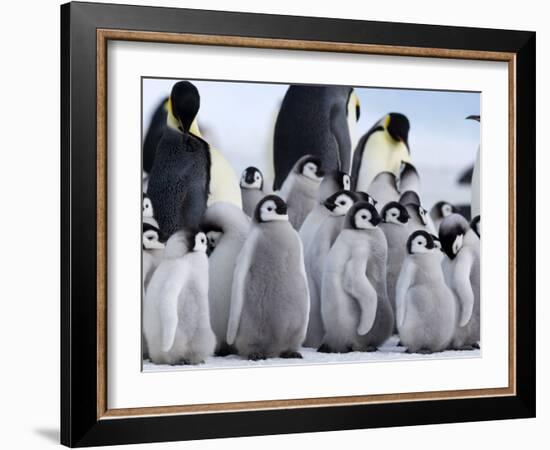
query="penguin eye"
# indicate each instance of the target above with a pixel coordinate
(363, 217)
(269, 208)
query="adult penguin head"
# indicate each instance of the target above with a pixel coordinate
(398, 127)
(183, 106)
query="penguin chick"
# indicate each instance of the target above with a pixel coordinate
(409, 180)
(462, 274)
(337, 206)
(252, 185)
(419, 218)
(300, 188)
(151, 256)
(384, 189)
(180, 177)
(332, 182)
(364, 197)
(381, 149)
(475, 225)
(269, 297)
(226, 227)
(394, 225)
(176, 320)
(441, 210)
(356, 312)
(317, 120)
(425, 306)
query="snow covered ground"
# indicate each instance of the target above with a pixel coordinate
(388, 352)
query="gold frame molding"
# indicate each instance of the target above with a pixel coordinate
(105, 35)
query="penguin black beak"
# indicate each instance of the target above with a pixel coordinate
(473, 117)
(282, 209)
(375, 221)
(320, 173)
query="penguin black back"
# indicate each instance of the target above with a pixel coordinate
(154, 134)
(312, 120)
(179, 181)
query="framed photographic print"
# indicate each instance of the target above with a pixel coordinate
(272, 224)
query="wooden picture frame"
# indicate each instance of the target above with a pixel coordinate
(85, 30)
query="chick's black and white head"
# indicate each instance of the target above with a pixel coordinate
(271, 209)
(475, 225)
(147, 206)
(213, 237)
(252, 178)
(151, 237)
(339, 203)
(437, 242)
(395, 212)
(420, 242)
(200, 242)
(442, 209)
(362, 216)
(310, 167)
(451, 234)
(345, 181)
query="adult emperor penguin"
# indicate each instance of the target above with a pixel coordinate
(317, 120)
(226, 227)
(394, 225)
(476, 199)
(441, 210)
(462, 273)
(154, 134)
(300, 188)
(384, 189)
(176, 320)
(381, 149)
(425, 306)
(180, 178)
(337, 205)
(182, 109)
(252, 185)
(357, 315)
(269, 297)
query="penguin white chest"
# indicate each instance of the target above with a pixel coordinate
(381, 154)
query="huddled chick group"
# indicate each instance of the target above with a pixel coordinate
(329, 260)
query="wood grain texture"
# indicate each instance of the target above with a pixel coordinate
(103, 35)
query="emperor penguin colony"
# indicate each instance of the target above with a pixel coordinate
(324, 250)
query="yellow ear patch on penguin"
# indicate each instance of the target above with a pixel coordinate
(171, 120)
(387, 121)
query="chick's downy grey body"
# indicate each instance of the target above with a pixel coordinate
(234, 226)
(176, 319)
(269, 302)
(354, 293)
(426, 310)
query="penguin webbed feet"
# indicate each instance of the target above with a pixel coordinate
(290, 354)
(225, 350)
(325, 348)
(420, 351)
(256, 356)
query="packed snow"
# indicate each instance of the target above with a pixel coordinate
(387, 352)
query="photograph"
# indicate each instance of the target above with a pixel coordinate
(299, 224)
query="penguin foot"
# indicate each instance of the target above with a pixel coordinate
(464, 348)
(256, 356)
(370, 349)
(399, 343)
(290, 354)
(324, 348)
(225, 350)
(424, 351)
(476, 346)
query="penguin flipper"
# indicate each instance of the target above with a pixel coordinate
(357, 285)
(404, 280)
(168, 309)
(463, 287)
(238, 287)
